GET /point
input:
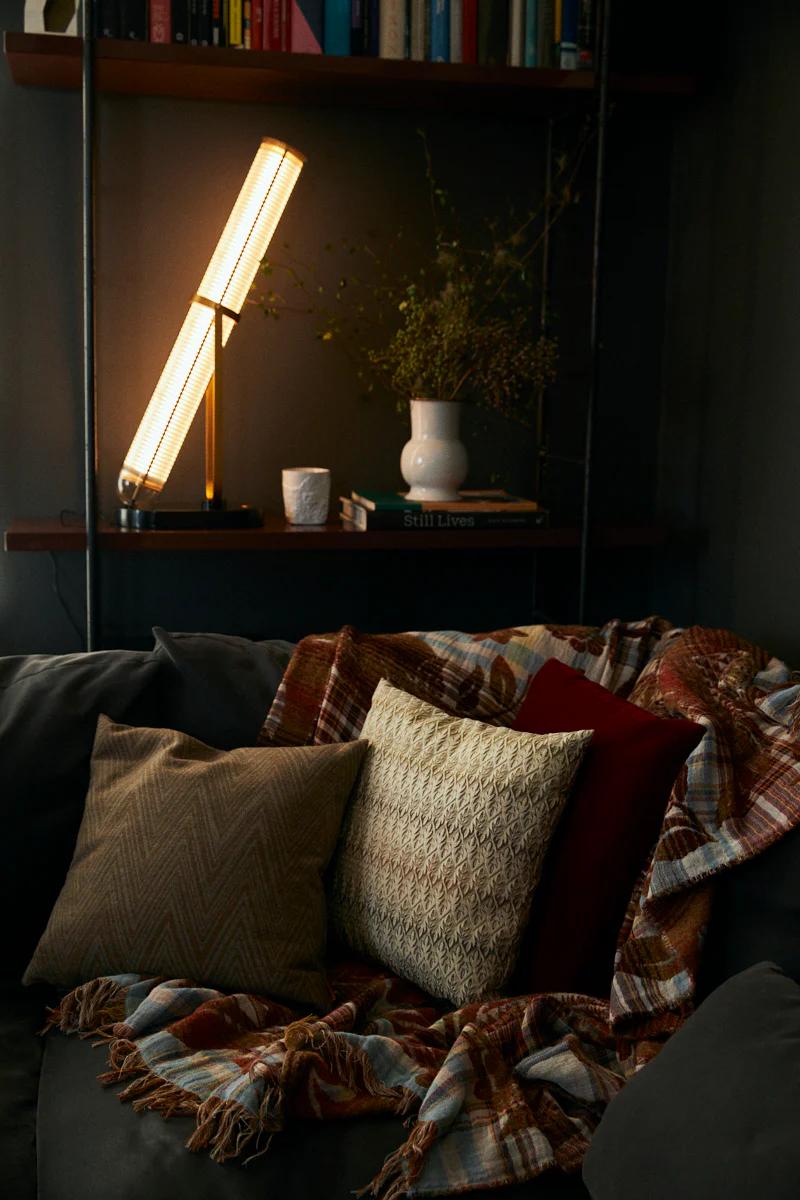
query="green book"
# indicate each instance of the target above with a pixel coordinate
(386, 501)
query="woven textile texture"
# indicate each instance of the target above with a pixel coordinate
(200, 862)
(501, 1090)
(443, 843)
(327, 689)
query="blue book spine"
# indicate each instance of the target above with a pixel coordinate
(440, 30)
(568, 50)
(337, 27)
(373, 26)
(531, 33)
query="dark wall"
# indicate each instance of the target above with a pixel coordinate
(730, 414)
(167, 174)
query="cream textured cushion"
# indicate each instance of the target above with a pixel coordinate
(444, 840)
(200, 863)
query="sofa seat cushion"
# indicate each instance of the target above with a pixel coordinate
(90, 1146)
(21, 1015)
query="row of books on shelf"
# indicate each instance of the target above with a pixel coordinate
(530, 33)
(495, 509)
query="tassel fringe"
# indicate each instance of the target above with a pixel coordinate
(401, 1168)
(88, 1009)
(225, 1128)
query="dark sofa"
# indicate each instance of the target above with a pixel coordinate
(60, 1136)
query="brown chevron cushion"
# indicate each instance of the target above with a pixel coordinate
(443, 843)
(200, 863)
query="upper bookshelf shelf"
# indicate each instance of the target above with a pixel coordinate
(206, 73)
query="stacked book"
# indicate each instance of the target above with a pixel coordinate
(495, 509)
(517, 33)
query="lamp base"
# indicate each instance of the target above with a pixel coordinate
(142, 519)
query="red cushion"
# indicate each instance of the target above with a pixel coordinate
(608, 830)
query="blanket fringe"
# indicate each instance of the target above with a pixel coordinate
(401, 1168)
(88, 1008)
(353, 1068)
(124, 1060)
(225, 1128)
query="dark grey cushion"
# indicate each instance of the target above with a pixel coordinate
(49, 705)
(755, 916)
(715, 1114)
(219, 689)
(92, 1146)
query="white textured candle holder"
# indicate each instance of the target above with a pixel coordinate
(306, 495)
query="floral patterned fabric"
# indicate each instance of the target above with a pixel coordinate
(328, 686)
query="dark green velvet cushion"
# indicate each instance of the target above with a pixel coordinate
(715, 1114)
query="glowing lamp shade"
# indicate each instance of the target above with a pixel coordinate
(224, 288)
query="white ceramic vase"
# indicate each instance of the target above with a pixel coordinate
(434, 461)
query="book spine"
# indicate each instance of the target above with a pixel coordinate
(373, 27)
(286, 25)
(257, 25)
(160, 22)
(516, 39)
(247, 24)
(531, 56)
(337, 26)
(586, 34)
(392, 31)
(133, 16)
(545, 40)
(456, 31)
(358, 27)
(307, 27)
(492, 33)
(271, 35)
(200, 22)
(408, 519)
(418, 29)
(106, 19)
(469, 31)
(568, 42)
(234, 23)
(217, 24)
(440, 30)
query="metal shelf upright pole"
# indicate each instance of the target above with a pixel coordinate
(89, 394)
(604, 37)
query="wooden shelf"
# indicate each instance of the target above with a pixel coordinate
(276, 535)
(206, 73)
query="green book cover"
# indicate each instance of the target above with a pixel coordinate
(386, 501)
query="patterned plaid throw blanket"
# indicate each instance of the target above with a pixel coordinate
(500, 1091)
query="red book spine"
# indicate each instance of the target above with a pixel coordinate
(160, 21)
(469, 35)
(286, 24)
(257, 25)
(272, 24)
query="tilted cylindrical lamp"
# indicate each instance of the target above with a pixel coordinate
(194, 367)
